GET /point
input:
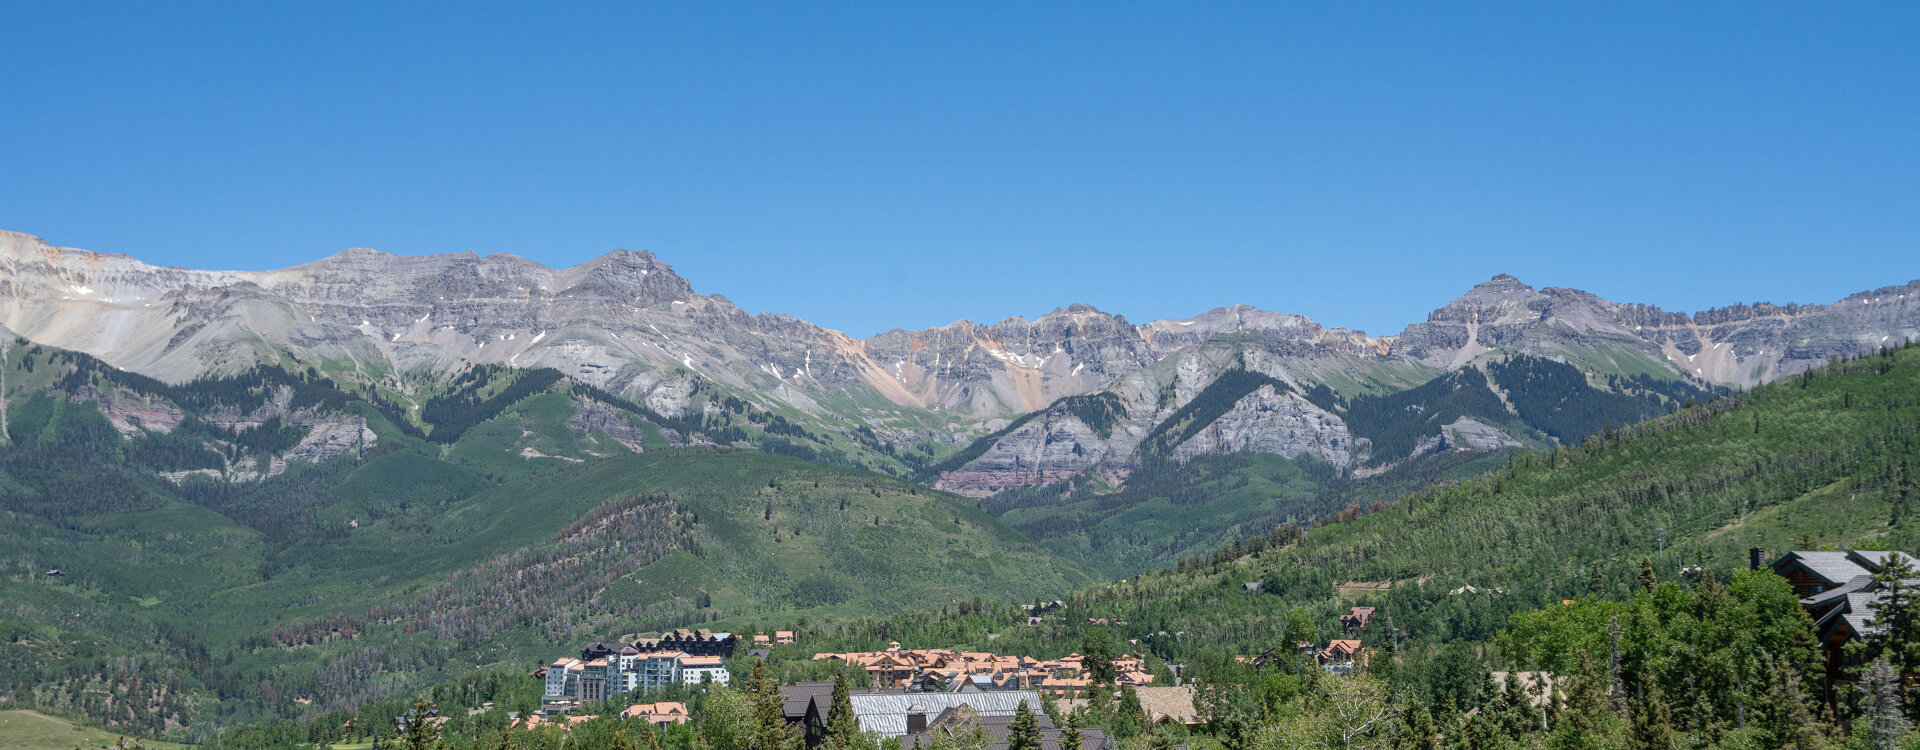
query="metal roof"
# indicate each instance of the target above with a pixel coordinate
(886, 713)
(1000, 728)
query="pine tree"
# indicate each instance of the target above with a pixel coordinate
(1897, 615)
(1903, 496)
(1596, 583)
(1097, 651)
(1515, 708)
(1647, 579)
(842, 726)
(1099, 704)
(1420, 731)
(1580, 725)
(1881, 704)
(1072, 738)
(1789, 721)
(1024, 732)
(1129, 705)
(420, 733)
(1652, 719)
(768, 710)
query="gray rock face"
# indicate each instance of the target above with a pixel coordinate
(1267, 421)
(1467, 433)
(593, 415)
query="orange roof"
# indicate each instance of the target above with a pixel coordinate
(536, 721)
(665, 712)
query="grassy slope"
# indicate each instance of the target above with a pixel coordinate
(29, 730)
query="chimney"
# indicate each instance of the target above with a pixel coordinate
(916, 719)
(1755, 558)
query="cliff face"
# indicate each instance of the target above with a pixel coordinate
(1013, 366)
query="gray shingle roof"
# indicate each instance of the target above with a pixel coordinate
(1824, 598)
(1859, 607)
(1878, 559)
(886, 713)
(1833, 566)
(798, 695)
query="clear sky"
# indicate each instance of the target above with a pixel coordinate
(906, 164)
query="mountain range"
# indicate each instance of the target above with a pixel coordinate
(1078, 423)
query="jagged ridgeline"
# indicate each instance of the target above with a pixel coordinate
(272, 542)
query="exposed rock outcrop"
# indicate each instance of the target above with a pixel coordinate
(1467, 433)
(1043, 451)
(1267, 421)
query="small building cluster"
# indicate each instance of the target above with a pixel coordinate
(664, 712)
(608, 669)
(934, 669)
(1339, 656)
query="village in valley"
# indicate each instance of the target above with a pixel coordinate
(906, 693)
(914, 694)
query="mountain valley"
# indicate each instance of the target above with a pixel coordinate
(276, 493)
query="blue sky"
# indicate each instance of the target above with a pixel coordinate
(867, 166)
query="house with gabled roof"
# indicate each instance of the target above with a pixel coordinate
(664, 712)
(1839, 592)
(1356, 619)
(1343, 655)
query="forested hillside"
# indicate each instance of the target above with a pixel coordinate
(271, 544)
(1824, 460)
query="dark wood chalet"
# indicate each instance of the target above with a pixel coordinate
(1839, 593)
